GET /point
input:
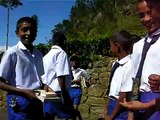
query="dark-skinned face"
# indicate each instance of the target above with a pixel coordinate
(155, 10)
(27, 33)
(114, 48)
(146, 19)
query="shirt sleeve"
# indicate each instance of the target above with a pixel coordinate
(85, 75)
(7, 66)
(126, 85)
(62, 67)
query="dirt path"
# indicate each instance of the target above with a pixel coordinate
(3, 114)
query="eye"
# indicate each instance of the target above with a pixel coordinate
(141, 15)
(25, 29)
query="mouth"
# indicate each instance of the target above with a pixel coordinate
(149, 25)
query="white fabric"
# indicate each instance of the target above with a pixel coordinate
(151, 63)
(21, 68)
(80, 74)
(56, 64)
(122, 78)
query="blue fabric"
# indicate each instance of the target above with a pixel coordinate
(111, 106)
(149, 115)
(75, 94)
(56, 108)
(25, 109)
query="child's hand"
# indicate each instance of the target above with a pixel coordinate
(133, 105)
(48, 89)
(30, 94)
(154, 81)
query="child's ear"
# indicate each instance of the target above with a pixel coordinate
(17, 33)
(118, 48)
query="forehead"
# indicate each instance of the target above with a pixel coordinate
(25, 24)
(142, 7)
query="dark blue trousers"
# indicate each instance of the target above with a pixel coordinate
(56, 108)
(149, 114)
(21, 108)
(111, 105)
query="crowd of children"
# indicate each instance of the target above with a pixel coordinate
(23, 70)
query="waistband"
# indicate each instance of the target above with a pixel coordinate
(147, 96)
(112, 98)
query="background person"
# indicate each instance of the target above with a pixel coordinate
(79, 75)
(57, 76)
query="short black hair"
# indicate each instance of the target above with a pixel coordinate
(31, 20)
(123, 38)
(151, 3)
(76, 59)
(59, 39)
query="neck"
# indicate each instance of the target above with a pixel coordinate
(150, 33)
(30, 48)
(122, 55)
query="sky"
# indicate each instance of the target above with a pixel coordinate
(49, 12)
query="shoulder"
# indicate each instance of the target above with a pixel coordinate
(140, 42)
(10, 55)
(57, 50)
(11, 51)
(83, 70)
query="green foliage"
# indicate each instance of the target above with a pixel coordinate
(10, 3)
(92, 22)
(88, 50)
(43, 48)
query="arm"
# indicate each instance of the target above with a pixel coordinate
(118, 107)
(11, 89)
(136, 105)
(65, 94)
(76, 81)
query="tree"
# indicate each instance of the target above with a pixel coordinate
(10, 5)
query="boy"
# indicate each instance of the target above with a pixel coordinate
(144, 62)
(121, 45)
(154, 79)
(76, 90)
(20, 71)
(57, 73)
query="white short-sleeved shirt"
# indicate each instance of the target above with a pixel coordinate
(122, 78)
(80, 74)
(56, 63)
(151, 63)
(21, 68)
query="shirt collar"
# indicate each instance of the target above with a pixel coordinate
(124, 60)
(21, 46)
(56, 47)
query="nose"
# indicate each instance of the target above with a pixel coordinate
(147, 17)
(28, 32)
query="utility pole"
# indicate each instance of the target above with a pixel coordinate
(8, 7)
